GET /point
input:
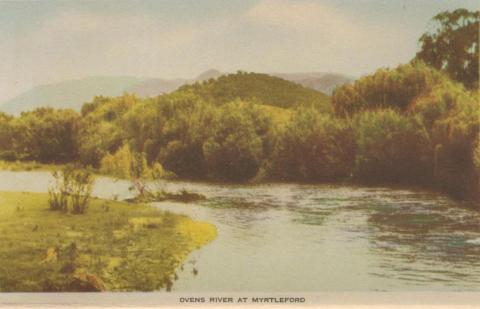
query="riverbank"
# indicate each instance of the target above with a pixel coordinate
(115, 246)
(472, 195)
(16, 166)
(294, 237)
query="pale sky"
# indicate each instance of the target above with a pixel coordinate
(50, 41)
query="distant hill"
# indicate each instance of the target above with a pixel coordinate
(156, 86)
(263, 88)
(68, 94)
(212, 73)
(73, 93)
(299, 76)
(324, 82)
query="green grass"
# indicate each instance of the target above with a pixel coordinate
(114, 246)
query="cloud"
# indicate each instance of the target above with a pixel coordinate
(319, 33)
(281, 35)
(116, 28)
(302, 16)
(74, 44)
(109, 35)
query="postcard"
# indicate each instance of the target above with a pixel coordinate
(245, 153)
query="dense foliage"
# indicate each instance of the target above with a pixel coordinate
(424, 132)
(453, 46)
(392, 148)
(410, 125)
(313, 147)
(45, 135)
(387, 88)
(262, 88)
(238, 142)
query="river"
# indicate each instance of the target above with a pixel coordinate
(307, 238)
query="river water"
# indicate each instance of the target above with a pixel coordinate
(305, 238)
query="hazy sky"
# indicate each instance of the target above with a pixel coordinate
(49, 41)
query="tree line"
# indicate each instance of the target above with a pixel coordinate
(410, 125)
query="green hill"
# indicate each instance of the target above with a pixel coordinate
(267, 89)
(262, 88)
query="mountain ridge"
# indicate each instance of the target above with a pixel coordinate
(68, 94)
(73, 93)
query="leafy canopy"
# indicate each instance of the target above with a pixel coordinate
(453, 45)
(262, 88)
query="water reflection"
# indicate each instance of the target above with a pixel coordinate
(424, 239)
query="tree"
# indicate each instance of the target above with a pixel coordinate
(313, 147)
(6, 137)
(102, 129)
(455, 137)
(237, 145)
(453, 45)
(47, 135)
(391, 149)
(387, 88)
(262, 88)
(188, 124)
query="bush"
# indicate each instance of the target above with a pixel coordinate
(236, 147)
(70, 186)
(188, 126)
(80, 190)
(58, 191)
(125, 163)
(162, 195)
(184, 158)
(313, 147)
(455, 138)
(386, 88)
(476, 156)
(391, 149)
(46, 135)
(443, 100)
(8, 155)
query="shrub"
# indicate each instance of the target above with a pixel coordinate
(386, 88)
(443, 100)
(80, 190)
(125, 163)
(237, 145)
(391, 149)
(70, 186)
(455, 138)
(46, 135)
(476, 156)
(58, 191)
(313, 147)
(185, 158)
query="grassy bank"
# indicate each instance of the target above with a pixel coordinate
(27, 166)
(114, 246)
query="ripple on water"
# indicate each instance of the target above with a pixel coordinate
(290, 237)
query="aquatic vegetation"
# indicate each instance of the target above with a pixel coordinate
(162, 195)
